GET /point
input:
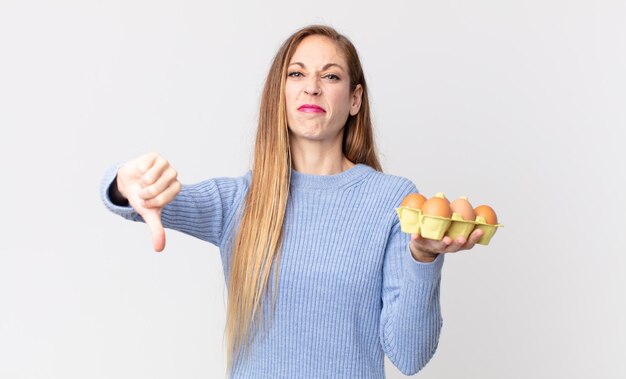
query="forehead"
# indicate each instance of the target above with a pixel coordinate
(318, 50)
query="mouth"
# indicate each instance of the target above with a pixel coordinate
(310, 108)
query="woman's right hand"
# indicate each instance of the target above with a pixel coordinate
(149, 183)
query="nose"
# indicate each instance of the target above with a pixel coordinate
(312, 88)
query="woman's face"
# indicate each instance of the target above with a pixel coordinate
(317, 91)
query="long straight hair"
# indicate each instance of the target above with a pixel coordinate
(259, 238)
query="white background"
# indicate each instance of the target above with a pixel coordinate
(519, 104)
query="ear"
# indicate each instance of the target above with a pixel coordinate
(356, 97)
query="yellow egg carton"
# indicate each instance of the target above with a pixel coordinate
(412, 221)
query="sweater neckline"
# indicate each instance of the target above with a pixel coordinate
(308, 181)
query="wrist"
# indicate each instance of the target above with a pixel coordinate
(116, 195)
(422, 256)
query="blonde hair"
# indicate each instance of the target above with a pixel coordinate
(259, 238)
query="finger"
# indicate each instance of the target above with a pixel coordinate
(164, 197)
(471, 240)
(154, 172)
(429, 245)
(162, 183)
(456, 245)
(474, 238)
(144, 163)
(153, 220)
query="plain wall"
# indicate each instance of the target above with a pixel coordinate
(517, 104)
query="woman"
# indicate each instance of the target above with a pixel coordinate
(317, 216)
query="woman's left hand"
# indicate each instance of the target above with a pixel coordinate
(426, 250)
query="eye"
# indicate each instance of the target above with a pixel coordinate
(295, 74)
(332, 77)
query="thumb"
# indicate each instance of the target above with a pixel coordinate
(153, 220)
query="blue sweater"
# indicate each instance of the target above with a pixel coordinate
(349, 289)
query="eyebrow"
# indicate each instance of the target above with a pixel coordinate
(326, 66)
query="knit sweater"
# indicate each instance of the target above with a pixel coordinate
(349, 290)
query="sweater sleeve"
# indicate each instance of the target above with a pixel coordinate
(203, 210)
(410, 321)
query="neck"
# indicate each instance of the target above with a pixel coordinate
(315, 159)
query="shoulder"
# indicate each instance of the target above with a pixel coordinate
(397, 182)
(393, 188)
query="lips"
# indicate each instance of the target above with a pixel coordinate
(311, 108)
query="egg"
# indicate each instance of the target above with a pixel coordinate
(463, 207)
(413, 200)
(487, 213)
(438, 206)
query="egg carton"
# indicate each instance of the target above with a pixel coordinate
(412, 221)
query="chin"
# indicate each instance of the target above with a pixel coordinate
(310, 132)
(314, 132)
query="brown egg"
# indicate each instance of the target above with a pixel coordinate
(488, 213)
(442, 196)
(413, 200)
(438, 206)
(463, 208)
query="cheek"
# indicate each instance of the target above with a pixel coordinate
(291, 93)
(291, 97)
(341, 102)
